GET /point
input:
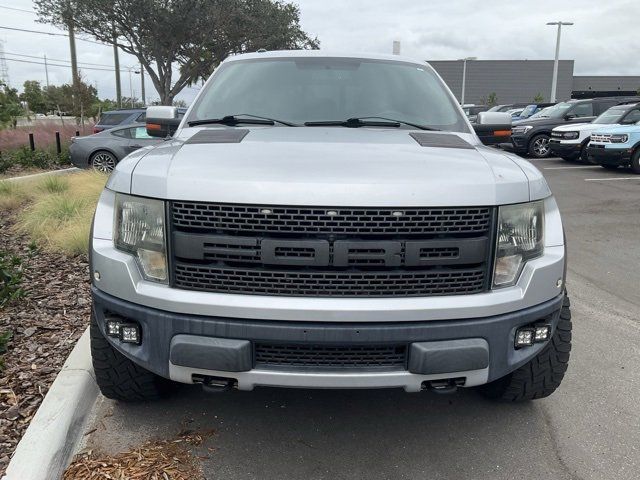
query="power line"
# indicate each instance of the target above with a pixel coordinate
(58, 59)
(53, 34)
(58, 65)
(18, 9)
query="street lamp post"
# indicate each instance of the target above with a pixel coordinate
(464, 76)
(131, 85)
(554, 82)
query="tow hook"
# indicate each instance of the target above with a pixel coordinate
(444, 386)
(214, 384)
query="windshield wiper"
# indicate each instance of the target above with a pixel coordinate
(356, 122)
(233, 120)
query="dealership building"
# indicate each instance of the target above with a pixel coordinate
(522, 80)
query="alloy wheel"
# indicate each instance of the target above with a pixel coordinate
(103, 162)
(541, 147)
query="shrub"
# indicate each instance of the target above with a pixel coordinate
(60, 219)
(54, 184)
(10, 278)
(11, 195)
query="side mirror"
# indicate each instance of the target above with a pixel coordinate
(162, 121)
(493, 127)
(570, 116)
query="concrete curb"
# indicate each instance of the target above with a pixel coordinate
(55, 431)
(43, 174)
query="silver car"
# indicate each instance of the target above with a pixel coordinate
(104, 150)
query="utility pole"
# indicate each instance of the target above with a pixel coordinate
(554, 81)
(46, 70)
(4, 70)
(116, 62)
(144, 100)
(464, 76)
(72, 47)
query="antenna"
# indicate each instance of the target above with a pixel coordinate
(4, 70)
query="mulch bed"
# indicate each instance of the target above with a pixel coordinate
(45, 325)
(154, 460)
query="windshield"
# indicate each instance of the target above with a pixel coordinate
(528, 111)
(556, 111)
(611, 116)
(299, 90)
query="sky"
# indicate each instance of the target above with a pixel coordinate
(603, 40)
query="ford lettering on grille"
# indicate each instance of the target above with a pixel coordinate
(324, 253)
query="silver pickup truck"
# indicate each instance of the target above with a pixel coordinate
(327, 221)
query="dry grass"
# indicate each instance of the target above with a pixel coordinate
(56, 211)
(44, 133)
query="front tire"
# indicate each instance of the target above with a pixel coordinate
(539, 146)
(542, 375)
(118, 377)
(635, 161)
(610, 167)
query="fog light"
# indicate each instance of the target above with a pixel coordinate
(543, 332)
(113, 328)
(525, 337)
(130, 333)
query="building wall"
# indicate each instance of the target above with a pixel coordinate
(511, 80)
(606, 83)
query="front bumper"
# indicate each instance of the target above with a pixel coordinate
(564, 150)
(610, 156)
(520, 143)
(185, 347)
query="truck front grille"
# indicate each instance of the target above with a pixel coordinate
(330, 356)
(329, 284)
(330, 252)
(329, 220)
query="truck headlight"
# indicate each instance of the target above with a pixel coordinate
(520, 238)
(619, 138)
(570, 135)
(139, 230)
(521, 129)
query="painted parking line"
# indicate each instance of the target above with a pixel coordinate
(569, 168)
(611, 179)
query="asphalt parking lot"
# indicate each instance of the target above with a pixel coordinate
(589, 429)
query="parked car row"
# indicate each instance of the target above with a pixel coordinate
(116, 135)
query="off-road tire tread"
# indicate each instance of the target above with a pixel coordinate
(542, 375)
(118, 377)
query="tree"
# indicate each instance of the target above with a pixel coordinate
(492, 99)
(196, 34)
(33, 96)
(10, 108)
(79, 101)
(539, 98)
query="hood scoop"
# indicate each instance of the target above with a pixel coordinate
(440, 140)
(218, 135)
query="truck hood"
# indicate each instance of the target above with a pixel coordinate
(577, 127)
(329, 167)
(617, 129)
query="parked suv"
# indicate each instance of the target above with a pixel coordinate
(570, 141)
(327, 222)
(531, 136)
(120, 117)
(616, 146)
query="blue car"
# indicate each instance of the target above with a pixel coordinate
(616, 146)
(530, 110)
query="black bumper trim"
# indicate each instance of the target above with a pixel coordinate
(160, 327)
(610, 156)
(565, 149)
